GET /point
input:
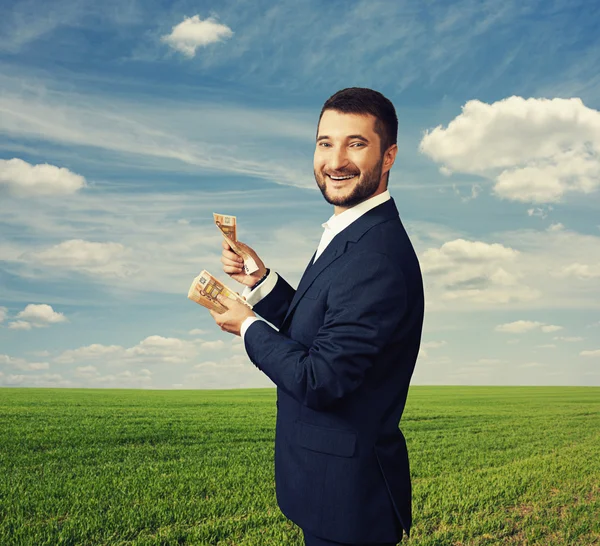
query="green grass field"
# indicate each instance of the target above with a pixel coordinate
(490, 465)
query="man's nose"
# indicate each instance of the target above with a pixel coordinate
(338, 159)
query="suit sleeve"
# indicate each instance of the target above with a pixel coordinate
(275, 304)
(364, 308)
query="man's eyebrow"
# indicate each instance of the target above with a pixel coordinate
(349, 137)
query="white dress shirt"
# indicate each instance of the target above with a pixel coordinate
(332, 227)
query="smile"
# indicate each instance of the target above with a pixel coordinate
(339, 178)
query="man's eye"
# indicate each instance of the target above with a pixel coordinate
(358, 144)
(323, 144)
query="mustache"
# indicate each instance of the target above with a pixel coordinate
(354, 173)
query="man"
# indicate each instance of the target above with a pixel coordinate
(347, 339)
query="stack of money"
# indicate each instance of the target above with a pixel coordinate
(206, 288)
(228, 227)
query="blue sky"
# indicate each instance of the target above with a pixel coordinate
(124, 126)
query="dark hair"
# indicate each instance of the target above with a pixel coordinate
(360, 100)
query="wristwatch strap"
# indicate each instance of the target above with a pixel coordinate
(261, 279)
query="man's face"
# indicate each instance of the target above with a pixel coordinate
(348, 146)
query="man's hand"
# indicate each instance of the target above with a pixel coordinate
(233, 265)
(231, 320)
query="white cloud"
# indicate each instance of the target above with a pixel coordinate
(531, 365)
(536, 150)
(590, 353)
(489, 361)
(569, 339)
(546, 346)
(433, 344)
(581, 271)
(91, 352)
(22, 364)
(41, 315)
(524, 272)
(153, 349)
(207, 364)
(108, 259)
(475, 271)
(211, 345)
(194, 32)
(541, 212)
(523, 326)
(158, 360)
(198, 332)
(162, 349)
(3, 313)
(28, 380)
(86, 371)
(547, 328)
(23, 179)
(126, 379)
(19, 325)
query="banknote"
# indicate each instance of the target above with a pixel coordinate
(205, 289)
(228, 226)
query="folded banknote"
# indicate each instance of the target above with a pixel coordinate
(228, 226)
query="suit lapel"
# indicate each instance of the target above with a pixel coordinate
(338, 246)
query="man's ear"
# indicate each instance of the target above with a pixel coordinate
(390, 155)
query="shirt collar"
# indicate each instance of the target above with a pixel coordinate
(344, 219)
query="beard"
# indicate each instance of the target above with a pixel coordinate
(367, 185)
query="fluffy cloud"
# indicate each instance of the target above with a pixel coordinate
(227, 373)
(475, 271)
(581, 271)
(125, 379)
(107, 259)
(590, 353)
(41, 314)
(529, 264)
(90, 352)
(19, 325)
(153, 349)
(22, 364)
(523, 326)
(429, 345)
(194, 32)
(211, 345)
(23, 179)
(433, 344)
(163, 349)
(54, 380)
(3, 313)
(38, 316)
(536, 150)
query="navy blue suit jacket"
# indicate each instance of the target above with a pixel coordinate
(342, 361)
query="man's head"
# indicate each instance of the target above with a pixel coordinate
(356, 136)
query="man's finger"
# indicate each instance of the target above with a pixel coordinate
(225, 260)
(229, 254)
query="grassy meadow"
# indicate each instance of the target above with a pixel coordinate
(490, 465)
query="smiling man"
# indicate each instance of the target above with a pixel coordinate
(347, 339)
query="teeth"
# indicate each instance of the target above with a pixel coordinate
(342, 177)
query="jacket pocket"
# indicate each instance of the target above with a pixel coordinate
(326, 440)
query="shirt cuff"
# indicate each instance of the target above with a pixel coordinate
(262, 290)
(246, 324)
